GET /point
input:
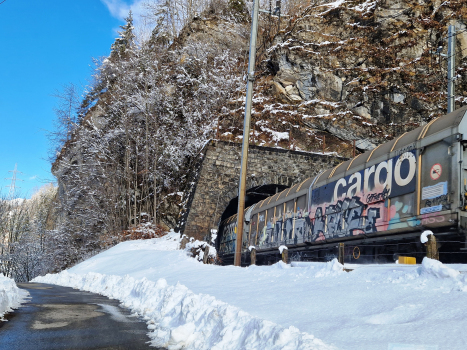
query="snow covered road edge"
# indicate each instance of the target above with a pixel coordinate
(10, 295)
(177, 318)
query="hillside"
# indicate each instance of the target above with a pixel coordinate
(328, 75)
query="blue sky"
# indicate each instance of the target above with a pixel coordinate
(44, 46)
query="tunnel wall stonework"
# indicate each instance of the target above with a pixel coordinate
(216, 181)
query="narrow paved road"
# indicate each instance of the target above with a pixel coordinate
(65, 318)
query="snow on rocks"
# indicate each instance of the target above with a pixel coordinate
(197, 249)
(10, 295)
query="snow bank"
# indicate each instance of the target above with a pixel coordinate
(181, 319)
(177, 317)
(10, 295)
(331, 268)
(435, 268)
(197, 306)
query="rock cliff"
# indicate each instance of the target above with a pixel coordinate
(359, 70)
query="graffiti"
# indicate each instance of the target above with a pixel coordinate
(301, 226)
(227, 244)
(401, 213)
(357, 203)
(277, 230)
(263, 238)
(376, 197)
(347, 217)
(432, 218)
(441, 200)
(438, 190)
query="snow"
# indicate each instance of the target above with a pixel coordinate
(281, 248)
(424, 236)
(198, 247)
(366, 6)
(213, 235)
(301, 305)
(10, 295)
(334, 4)
(435, 268)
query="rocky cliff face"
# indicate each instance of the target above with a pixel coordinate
(360, 70)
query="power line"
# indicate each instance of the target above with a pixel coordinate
(461, 31)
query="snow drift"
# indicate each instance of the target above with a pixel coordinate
(10, 295)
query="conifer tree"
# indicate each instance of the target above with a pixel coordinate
(126, 40)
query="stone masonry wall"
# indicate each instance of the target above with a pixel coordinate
(217, 181)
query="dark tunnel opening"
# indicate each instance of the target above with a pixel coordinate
(253, 195)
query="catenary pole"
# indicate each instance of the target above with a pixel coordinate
(246, 133)
(451, 66)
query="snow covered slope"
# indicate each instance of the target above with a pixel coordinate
(312, 306)
(10, 295)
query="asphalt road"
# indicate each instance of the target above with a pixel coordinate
(64, 318)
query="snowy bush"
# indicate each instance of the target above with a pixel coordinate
(197, 248)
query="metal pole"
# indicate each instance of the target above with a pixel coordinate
(246, 133)
(451, 66)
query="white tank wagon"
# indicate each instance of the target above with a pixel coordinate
(377, 204)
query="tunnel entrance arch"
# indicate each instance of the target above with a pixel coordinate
(215, 181)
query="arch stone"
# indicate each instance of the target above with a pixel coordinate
(215, 181)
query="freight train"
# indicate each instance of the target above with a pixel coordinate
(377, 204)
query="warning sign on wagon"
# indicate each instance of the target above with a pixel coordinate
(440, 189)
(435, 171)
